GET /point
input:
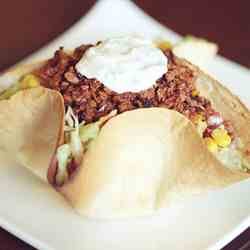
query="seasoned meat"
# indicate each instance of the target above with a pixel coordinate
(90, 99)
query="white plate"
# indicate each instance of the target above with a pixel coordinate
(35, 213)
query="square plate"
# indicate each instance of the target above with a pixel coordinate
(35, 213)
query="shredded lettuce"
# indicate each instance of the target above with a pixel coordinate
(72, 126)
(63, 156)
(72, 149)
(233, 158)
(90, 131)
(77, 138)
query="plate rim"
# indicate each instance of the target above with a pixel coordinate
(15, 230)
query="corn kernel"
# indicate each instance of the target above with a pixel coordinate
(195, 92)
(198, 118)
(163, 45)
(211, 144)
(29, 81)
(221, 137)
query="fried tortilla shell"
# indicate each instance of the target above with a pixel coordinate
(229, 105)
(141, 161)
(30, 127)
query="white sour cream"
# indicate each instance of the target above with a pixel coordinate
(124, 64)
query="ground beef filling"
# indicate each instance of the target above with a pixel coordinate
(90, 99)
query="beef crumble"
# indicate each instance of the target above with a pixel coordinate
(90, 99)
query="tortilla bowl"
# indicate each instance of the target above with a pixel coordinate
(30, 128)
(142, 160)
(227, 104)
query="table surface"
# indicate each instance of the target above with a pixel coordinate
(28, 25)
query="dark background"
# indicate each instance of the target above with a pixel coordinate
(27, 25)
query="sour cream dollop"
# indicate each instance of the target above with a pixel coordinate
(123, 64)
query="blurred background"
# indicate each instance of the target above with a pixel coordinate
(28, 25)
